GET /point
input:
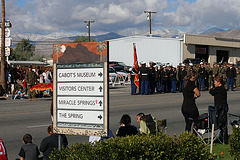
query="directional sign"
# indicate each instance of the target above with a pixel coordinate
(8, 24)
(82, 74)
(7, 51)
(81, 99)
(8, 42)
(83, 103)
(89, 117)
(7, 32)
(80, 89)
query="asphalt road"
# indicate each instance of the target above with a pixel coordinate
(18, 117)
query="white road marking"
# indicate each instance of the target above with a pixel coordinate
(38, 126)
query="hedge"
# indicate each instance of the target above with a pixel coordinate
(234, 142)
(149, 147)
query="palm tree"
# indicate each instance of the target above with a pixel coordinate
(3, 78)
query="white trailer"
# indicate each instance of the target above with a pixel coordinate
(156, 49)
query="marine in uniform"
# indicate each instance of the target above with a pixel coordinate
(144, 76)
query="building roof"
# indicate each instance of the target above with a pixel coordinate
(38, 63)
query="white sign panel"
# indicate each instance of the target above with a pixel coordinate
(86, 117)
(80, 74)
(75, 89)
(7, 32)
(84, 103)
(8, 42)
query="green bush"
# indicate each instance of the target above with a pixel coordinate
(149, 147)
(189, 146)
(234, 142)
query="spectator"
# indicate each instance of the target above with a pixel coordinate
(221, 106)
(190, 93)
(126, 129)
(19, 94)
(28, 151)
(51, 142)
(143, 127)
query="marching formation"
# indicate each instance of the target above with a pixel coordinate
(167, 78)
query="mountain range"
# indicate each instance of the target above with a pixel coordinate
(44, 43)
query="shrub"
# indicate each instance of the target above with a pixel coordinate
(234, 142)
(189, 146)
(151, 147)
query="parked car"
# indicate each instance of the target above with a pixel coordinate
(120, 64)
(193, 60)
(112, 74)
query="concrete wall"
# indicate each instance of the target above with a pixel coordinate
(230, 45)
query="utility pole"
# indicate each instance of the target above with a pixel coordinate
(150, 19)
(88, 26)
(3, 78)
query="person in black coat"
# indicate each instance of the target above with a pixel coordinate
(126, 129)
(190, 93)
(221, 106)
(201, 76)
(51, 142)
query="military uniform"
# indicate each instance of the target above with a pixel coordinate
(31, 80)
(144, 76)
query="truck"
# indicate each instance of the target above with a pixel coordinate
(156, 49)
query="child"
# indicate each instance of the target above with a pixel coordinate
(19, 94)
(28, 150)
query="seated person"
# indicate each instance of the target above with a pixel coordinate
(19, 94)
(126, 129)
(143, 127)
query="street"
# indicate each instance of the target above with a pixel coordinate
(18, 117)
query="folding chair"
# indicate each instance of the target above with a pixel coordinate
(161, 125)
(235, 122)
(204, 123)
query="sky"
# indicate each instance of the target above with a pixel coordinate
(120, 16)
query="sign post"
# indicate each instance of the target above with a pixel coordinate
(81, 99)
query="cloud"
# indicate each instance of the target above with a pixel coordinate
(121, 16)
(204, 13)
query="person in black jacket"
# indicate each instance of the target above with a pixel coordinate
(190, 93)
(126, 129)
(201, 76)
(51, 142)
(173, 77)
(151, 77)
(221, 106)
(164, 79)
(231, 74)
(157, 75)
(181, 74)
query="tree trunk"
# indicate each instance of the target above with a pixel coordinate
(3, 78)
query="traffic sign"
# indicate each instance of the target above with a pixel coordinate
(81, 99)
